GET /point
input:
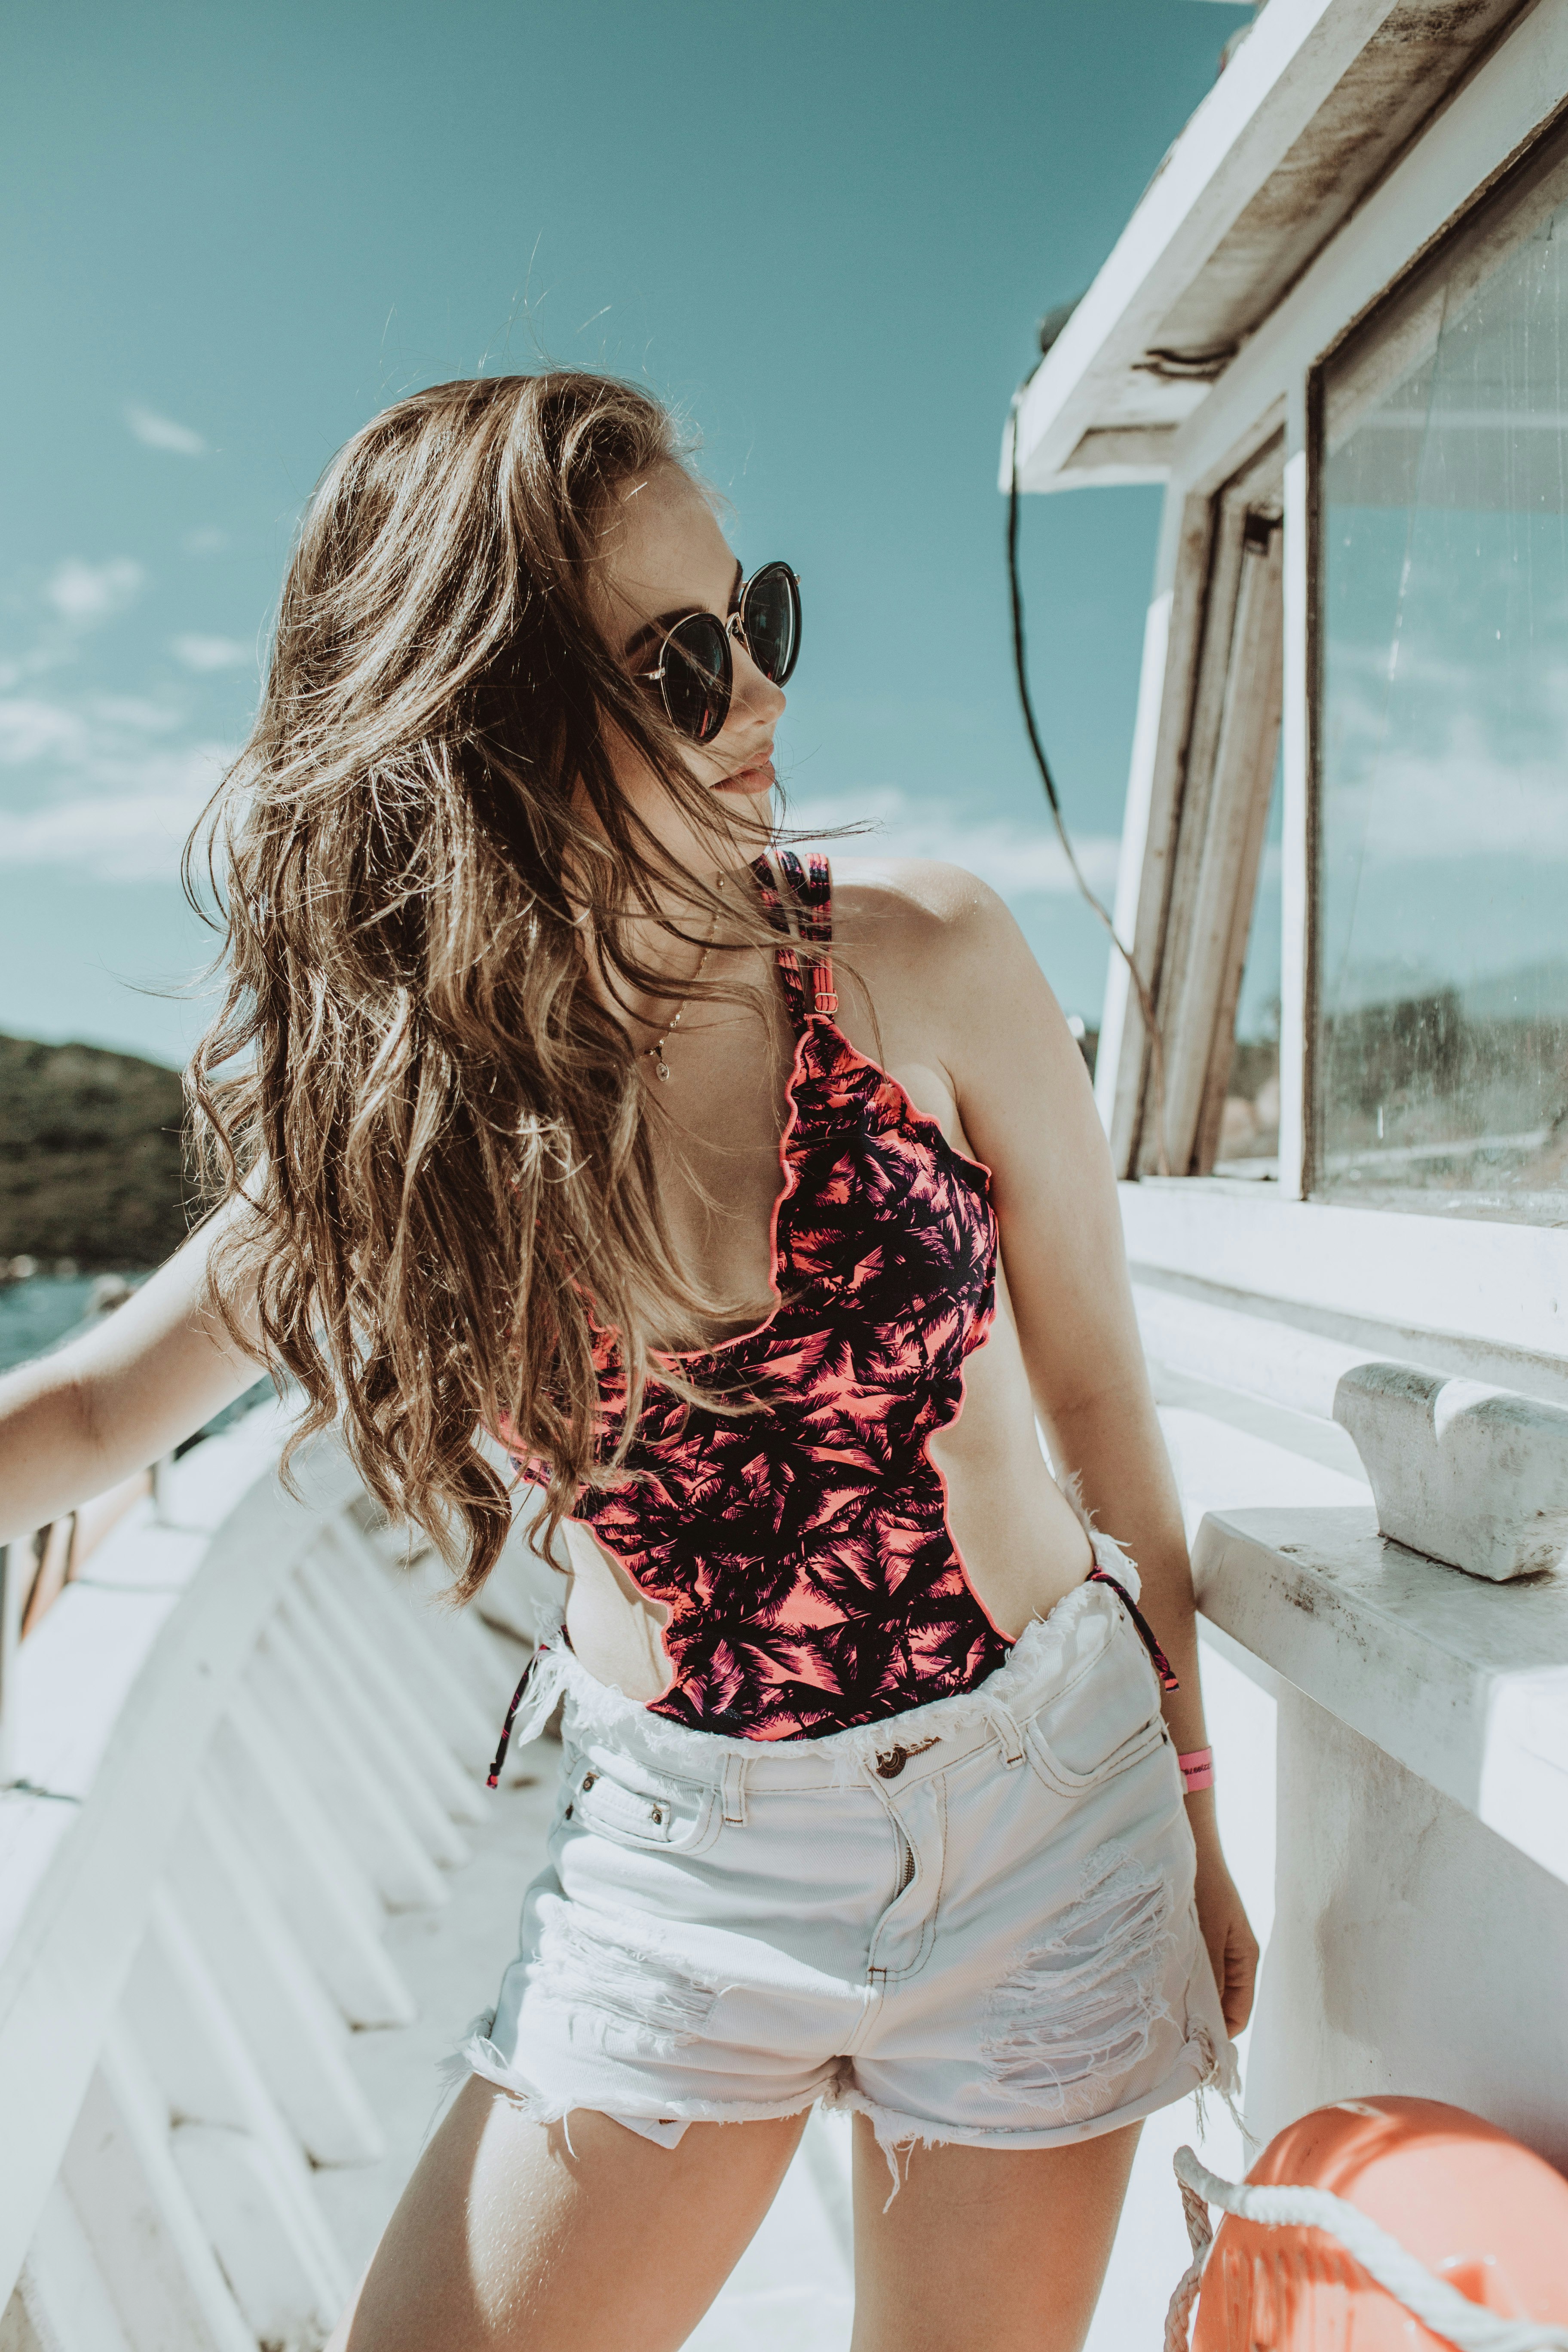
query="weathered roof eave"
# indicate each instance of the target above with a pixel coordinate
(1314, 109)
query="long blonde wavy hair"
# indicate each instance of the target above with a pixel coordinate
(437, 1147)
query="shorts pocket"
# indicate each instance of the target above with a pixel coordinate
(1106, 1723)
(1069, 1783)
(634, 1808)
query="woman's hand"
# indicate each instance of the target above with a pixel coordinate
(1231, 1946)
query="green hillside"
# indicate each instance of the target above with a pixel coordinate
(90, 1157)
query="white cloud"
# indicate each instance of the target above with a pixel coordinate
(1018, 860)
(101, 792)
(94, 737)
(116, 838)
(139, 837)
(85, 593)
(15, 667)
(133, 837)
(211, 652)
(32, 729)
(208, 540)
(1472, 784)
(162, 432)
(135, 710)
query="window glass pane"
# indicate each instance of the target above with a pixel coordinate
(1250, 1126)
(1442, 1043)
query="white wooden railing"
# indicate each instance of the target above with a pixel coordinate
(35, 1568)
(242, 1736)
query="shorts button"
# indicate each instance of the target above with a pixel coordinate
(657, 1813)
(568, 1814)
(891, 1764)
(588, 1780)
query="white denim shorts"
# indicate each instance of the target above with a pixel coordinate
(972, 1921)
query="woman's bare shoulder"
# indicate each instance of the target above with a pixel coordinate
(916, 905)
(917, 922)
(954, 981)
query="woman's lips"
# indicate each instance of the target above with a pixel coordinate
(758, 778)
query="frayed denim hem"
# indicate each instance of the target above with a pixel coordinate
(479, 2055)
(1199, 2068)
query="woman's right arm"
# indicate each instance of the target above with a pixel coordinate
(74, 1423)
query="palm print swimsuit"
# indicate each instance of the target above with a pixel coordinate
(802, 1549)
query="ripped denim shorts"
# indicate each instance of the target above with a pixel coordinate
(972, 1921)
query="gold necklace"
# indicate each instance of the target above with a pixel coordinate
(656, 1052)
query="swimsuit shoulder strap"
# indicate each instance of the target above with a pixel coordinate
(798, 899)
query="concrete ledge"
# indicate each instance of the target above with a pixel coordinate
(1467, 1473)
(1464, 1683)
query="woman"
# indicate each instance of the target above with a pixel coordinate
(766, 1215)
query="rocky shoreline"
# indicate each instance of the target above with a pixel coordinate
(92, 1173)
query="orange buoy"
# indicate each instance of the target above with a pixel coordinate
(1450, 2199)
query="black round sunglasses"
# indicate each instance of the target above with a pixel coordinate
(696, 673)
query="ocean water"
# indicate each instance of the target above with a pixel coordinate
(36, 1313)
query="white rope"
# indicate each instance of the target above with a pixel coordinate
(1438, 2305)
(1200, 2234)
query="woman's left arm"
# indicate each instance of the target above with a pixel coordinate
(1028, 1110)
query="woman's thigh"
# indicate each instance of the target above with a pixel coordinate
(984, 2250)
(512, 2238)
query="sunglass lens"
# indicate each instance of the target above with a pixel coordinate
(697, 677)
(770, 615)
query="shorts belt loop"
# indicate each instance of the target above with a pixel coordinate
(1009, 1738)
(735, 1789)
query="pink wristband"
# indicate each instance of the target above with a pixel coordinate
(1196, 1770)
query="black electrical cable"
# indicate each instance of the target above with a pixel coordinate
(1021, 664)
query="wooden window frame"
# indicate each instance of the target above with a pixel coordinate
(1198, 891)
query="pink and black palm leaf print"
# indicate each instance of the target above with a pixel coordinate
(802, 1546)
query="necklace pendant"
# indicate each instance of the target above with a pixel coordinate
(661, 1069)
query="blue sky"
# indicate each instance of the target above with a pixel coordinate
(825, 232)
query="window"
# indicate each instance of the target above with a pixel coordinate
(1441, 1038)
(1213, 851)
